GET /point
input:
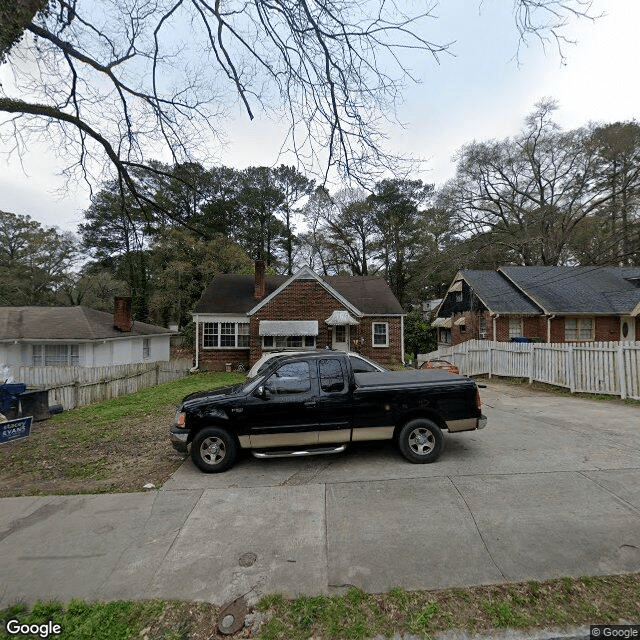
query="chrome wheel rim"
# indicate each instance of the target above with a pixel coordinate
(422, 441)
(213, 450)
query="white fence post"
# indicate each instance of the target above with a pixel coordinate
(570, 370)
(532, 347)
(621, 373)
(490, 360)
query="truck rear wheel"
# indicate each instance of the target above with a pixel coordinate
(420, 441)
(213, 450)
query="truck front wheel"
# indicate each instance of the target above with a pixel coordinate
(420, 441)
(213, 450)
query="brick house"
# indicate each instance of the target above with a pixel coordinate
(547, 304)
(239, 317)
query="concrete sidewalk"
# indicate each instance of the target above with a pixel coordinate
(550, 488)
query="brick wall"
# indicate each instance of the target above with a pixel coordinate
(607, 328)
(307, 300)
(532, 327)
(217, 359)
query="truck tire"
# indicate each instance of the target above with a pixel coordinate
(420, 441)
(213, 450)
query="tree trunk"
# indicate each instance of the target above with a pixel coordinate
(15, 16)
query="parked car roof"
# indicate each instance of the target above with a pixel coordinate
(267, 359)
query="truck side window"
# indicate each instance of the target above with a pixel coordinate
(293, 377)
(331, 376)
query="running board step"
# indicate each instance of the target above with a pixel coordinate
(298, 452)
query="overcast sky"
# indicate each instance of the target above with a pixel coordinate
(479, 93)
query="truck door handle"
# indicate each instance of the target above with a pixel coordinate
(310, 403)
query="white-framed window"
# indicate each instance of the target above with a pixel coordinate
(225, 335)
(288, 342)
(55, 355)
(515, 327)
(146, 348)
(482, 327)
(579, 329)
(380, 334)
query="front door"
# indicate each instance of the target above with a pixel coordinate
(341, 337)
(627, 329)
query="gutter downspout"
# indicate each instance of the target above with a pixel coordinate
(495, 331)
(402, 339)
(549, 319)
(197, 344)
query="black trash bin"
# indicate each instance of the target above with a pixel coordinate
(35, 402)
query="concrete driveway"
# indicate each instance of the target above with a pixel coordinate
(550, 488)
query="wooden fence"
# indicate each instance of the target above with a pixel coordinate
(593, 367)
(79, 386)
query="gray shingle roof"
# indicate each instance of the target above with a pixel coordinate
(369, 294)
(598, 290)
(498, 293)
(65, 323)
(231, 293)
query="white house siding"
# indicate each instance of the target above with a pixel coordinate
(99, 353)
(129, 351)
(9, 353)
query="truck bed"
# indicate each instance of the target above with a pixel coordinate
(405, 378)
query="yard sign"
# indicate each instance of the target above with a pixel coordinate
(15, 429)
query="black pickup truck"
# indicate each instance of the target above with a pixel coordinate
(314, 403)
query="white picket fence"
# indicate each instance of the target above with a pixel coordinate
(79, 386)
(593, 367)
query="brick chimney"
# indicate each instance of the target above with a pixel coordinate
(122, 314)
(261, 284)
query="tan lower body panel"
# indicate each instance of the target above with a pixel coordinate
(283, 439)
(462, 425)
(373, 433)
(334, 435)
(315, 437)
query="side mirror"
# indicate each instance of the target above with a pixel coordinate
(263, 392)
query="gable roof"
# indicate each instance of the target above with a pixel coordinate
(596, 290)
(233, 294)
(498, 294)
(305, 273)
(370, 294)
(66, 323)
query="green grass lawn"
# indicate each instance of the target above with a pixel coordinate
(116, 445)
(356, 615)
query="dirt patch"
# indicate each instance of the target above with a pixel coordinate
(67, 455)
(197, 621)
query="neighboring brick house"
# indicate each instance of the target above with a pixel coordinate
(548, 304)
(239, 317)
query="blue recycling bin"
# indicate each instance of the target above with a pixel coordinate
(9, 392)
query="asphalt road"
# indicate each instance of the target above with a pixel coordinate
(550, 488)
